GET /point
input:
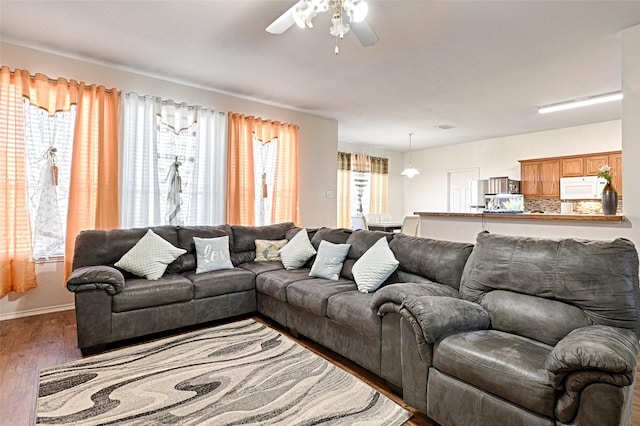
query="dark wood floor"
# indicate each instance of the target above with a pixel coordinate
(30, 344)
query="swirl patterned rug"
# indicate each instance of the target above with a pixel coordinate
(243, 373)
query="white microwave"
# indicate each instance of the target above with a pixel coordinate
(581, 188)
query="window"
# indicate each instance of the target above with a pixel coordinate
(49, 144)
(363, 186)
(173, 163)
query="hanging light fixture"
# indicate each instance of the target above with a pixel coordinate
(410, 171)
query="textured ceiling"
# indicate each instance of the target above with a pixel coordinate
(481, 66)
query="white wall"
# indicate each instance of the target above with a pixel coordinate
(317, 150)
(396, 205)
(499, 157)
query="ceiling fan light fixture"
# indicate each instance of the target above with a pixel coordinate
(410, 172)
(304, 14)
(358, 10)
(338, 27)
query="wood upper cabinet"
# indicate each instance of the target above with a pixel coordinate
(572, 166)
(592, 163)
(615, 161)
(540, 178)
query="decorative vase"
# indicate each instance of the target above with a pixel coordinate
(609, 200)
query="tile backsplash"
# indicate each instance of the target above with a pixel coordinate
(549, 205)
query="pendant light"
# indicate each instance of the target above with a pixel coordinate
(410, 172)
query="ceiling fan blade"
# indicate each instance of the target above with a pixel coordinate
(364, 32)
(284, 21)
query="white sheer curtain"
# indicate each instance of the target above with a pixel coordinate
(49, 144)
(173, 167)
(264, 169)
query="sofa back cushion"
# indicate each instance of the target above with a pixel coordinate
(335, 236)
(244, 239)
(439, 261)
(544, 320)
(598, 277)
(185, 240)
(361, 240)
(99, 247)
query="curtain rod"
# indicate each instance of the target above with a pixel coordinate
(53, 80)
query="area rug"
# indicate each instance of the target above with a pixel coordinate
(243, 373)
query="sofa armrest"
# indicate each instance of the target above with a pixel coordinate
(397, 293)
(95, 278)
(439, 316)
(599, 353)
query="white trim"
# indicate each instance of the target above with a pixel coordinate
(38, 311)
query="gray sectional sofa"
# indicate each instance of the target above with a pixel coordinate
(512, 331)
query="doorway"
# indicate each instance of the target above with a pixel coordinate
(459, 183)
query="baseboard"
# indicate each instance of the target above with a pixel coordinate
(39, 311)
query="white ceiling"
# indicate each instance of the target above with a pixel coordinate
(481, 66)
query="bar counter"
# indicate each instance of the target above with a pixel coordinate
(527, 216)
(465, 226)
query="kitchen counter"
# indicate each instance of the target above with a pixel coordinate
(527, 216)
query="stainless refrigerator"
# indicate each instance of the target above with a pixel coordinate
(476, 194)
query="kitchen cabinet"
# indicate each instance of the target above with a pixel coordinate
(540, 178)
(592, 163)
(613, 159)
(572, 167)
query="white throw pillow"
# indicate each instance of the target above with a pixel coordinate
(268, 250)
(297, 251)
(329, 260)
(374, 266)
(212, 254)
(150, 256)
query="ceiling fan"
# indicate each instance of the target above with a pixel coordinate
(346, 15)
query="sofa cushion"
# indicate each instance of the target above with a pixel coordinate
(506, 365)
(275, 283)
(296, 253)
(268, 250)
(313, 294)
(329, 259)
(599, 277)
(212, 254)
(547, 321)
(374, 267)
(223, 281)
(243, 249)
(262, 267)
(360, 240)
(185, 240)
(245, 236)
(97, 247)
(139, 293)
(335, 236)
(445, 263)
(353, 309)
(150, 256)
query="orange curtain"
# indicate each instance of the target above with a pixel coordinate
(240, 182)
(17, 268)
(93, 193)
(240, 173)
(285, 189)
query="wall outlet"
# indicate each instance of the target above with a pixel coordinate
(328, 193)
